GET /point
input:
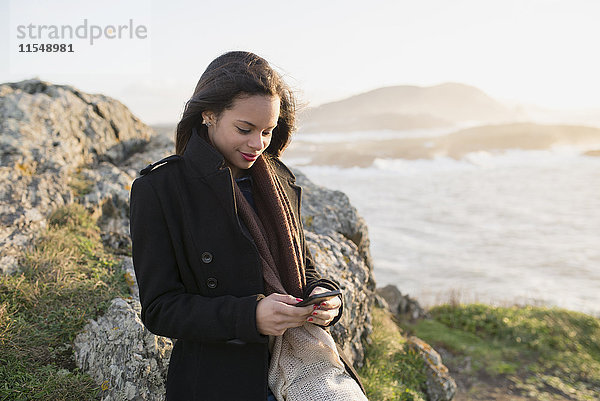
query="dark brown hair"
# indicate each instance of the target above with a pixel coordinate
(231, 76)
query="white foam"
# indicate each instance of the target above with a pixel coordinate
(377, 135)
(485, 159)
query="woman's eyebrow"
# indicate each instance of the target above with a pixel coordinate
(252, 125)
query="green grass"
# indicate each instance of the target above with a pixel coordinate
(391, 371)
(80, 185)
(66, 279)
(544, 352)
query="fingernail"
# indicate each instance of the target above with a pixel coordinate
(323, 303)
(314, 313)
(315, 306)
(310, 319)
(298, 299)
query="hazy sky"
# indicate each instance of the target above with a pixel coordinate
(540, 52)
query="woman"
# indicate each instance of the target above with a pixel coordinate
(219, 251)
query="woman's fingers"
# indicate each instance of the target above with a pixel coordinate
(322, 317)
(326, 311)
(333, 303)
(277, 313)
(286, 299)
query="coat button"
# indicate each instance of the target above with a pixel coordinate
(211, 282)
(207, 257)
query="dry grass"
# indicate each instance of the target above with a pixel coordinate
(66, 279)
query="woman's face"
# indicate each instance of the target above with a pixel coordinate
(244, 131)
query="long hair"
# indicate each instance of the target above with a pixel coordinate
(228, 77)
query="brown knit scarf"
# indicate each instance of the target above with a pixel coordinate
(275, 231)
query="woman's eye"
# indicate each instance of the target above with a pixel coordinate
(243, 131)
(267, 133)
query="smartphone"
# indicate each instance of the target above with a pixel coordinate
(318, 298)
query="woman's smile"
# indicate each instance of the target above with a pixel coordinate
(249, 156)
(244, 131)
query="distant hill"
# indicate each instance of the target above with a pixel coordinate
(493, 139)
(406, 107)
(526, 136)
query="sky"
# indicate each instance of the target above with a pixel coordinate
(537, 52)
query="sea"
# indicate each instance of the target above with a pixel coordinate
(511, 227)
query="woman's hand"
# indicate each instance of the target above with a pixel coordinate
(277, 313)
(325, 311)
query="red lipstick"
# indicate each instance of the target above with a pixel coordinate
(250, 157)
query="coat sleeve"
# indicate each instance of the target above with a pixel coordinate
(167, 309)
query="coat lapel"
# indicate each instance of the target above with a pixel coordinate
(205, 163)
(221, 185)
(205, 169)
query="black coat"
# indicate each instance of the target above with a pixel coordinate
(200, 276)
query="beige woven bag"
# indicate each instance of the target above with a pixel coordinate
(305, 366)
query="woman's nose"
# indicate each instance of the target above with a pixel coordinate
(255, 141)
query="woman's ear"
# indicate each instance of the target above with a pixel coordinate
(208, 117)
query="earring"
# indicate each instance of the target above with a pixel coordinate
(207, 123)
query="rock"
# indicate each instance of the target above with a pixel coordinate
(119, 244)
(129, 271)
(411, 308)
(392, 296)
(338, 259)
(159, 147)
(52, 138)
(125, 359)
(325, 211)
(25, 199)
(440, 385)
(338, 239)
(380, 302)
(107, 196)
(399, 304)
(53, 126)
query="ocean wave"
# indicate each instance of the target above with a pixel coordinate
(487, 159)
(379, 135)
(471, 161)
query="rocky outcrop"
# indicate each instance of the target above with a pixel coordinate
(338, 239)
(53, 141)
(329, 212)
(125, 359)
(440, 385)
(390, 298)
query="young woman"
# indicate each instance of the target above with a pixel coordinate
(220, 255)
